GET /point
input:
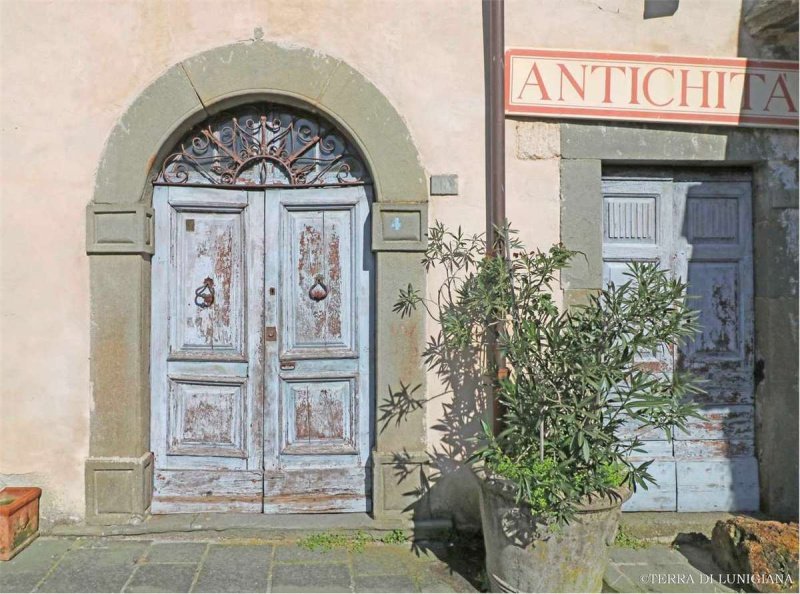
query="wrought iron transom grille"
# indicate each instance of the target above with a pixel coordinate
(264, 145)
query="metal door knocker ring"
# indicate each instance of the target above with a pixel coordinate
(204, 295)
(318, 290)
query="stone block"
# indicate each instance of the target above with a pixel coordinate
(400, 374)
(217, 74)
(538, 140)
(119, 229)
(782, 189)
(120, 327)
(170, 102)
(574, 297)
(775, 253)
(444, 185)
(380, 130)
(400, 485)
(581, 216)
(399, 227)
(747, 546)
(637, 142)
(118, 490)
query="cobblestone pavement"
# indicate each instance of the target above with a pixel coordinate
(116, 565)
(251, 565)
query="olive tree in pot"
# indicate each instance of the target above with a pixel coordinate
(574, 382)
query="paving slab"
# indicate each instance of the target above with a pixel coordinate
(385, 583)
(162, 577)
(649, 555)
(234, 568)
(328, 577)
(444, 576)
(383, 560)
(27, 569)
(97, 566)
(176, 552)
(292, 553)
(660, 568)
(428, 586)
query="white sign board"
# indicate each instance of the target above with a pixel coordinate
(645, 87)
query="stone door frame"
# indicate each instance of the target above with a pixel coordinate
(770, 155)
(119, 236)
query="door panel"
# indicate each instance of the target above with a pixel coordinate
(206, 360)
(702, 234)
(208, 245)
(318, 416)
(207, 418)
(317, 430)
(637, 217)
(318, 277)
(714, 252)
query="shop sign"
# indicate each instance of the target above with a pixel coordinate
(648, 87)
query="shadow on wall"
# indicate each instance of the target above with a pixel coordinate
(446, 486)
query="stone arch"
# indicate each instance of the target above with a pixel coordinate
(120, 243)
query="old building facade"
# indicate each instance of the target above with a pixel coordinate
(209, 210)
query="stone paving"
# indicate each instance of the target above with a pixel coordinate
(685, 567)
(116, 565)
(253, 565)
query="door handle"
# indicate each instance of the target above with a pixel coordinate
(271, 333)
(287, 365)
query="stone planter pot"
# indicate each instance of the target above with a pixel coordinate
(523, 556)
(19, 519)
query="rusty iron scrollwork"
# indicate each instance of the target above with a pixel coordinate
(264, 145)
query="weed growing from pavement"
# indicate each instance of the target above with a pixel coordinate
(327, 541)
(394, 537)
(627, 541)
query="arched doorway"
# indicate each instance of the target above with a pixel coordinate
(120, 242)
(261, 317)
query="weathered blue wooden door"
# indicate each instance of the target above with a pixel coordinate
(260, 357)
(317, 415)
(698, 226)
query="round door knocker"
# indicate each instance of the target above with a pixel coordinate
(204, 295)
(318, 290)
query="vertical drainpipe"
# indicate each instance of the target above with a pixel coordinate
(495, 147)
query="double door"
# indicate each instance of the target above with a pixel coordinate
(697, 225)
(260, 350)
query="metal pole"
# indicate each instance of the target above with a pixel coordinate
(496, 183)
(495, 158)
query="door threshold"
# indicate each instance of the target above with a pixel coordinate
(264, 526)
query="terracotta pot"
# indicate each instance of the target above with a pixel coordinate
(522, 555)
(19, 519)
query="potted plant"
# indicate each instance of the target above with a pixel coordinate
(571, 382)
